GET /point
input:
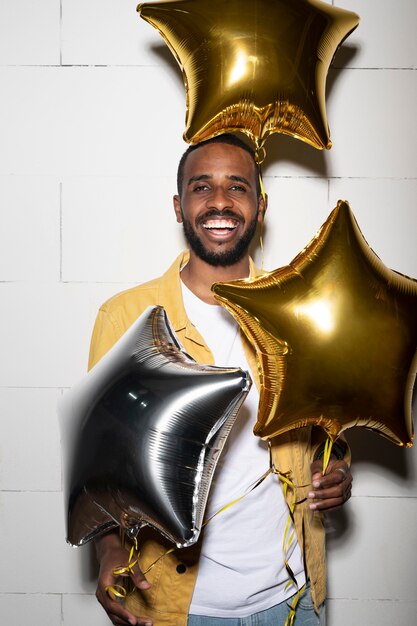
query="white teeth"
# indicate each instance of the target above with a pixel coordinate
(219, 224)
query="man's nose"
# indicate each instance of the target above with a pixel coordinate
(220, 199)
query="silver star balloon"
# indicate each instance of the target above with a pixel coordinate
(142, 434)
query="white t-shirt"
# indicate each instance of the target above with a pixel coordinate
(241, 569)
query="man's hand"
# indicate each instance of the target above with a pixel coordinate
(111, 555)
(331, 490)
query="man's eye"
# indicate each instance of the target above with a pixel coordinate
(201, 188)
(238, 188)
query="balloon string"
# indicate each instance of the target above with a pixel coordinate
(261, 245)
(158, 559)
(262, 187)
(291, 615)
(227, 506)
(288, 540)
(260, 154)
(116, 590)
(289, 535)
(261, 240)
(327, 454)
(126, 570)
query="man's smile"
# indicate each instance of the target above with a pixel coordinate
(219, 223)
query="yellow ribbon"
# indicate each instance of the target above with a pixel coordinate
(260, 154)
(327, 453)
(124, 570)
(114, 589)
(227, 506)
(288, 537)
(158, 559)
(291, 615)
(261, 240)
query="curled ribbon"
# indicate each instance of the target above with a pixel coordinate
(126, 570)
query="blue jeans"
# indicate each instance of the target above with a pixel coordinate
(275, 616)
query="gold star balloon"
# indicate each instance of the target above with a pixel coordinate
(254, 66)
(335, 334)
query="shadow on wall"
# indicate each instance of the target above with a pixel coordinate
(88, 566)
(374, 449)
(283, 148)
(378, 454)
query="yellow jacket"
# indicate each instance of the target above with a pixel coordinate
(173, 577)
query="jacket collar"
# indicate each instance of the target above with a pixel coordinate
(170, 297)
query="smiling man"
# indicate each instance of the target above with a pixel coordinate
(238, 573)
(219, 208)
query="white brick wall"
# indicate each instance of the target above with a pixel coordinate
(91, 120)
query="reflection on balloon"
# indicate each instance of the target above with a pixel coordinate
(255, 66)
(142, 434)
(335, 334)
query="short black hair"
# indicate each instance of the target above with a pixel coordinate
(226, 138)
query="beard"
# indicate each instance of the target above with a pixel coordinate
(223, 258)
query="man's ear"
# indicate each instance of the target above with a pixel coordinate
(262, 206)
(177, 208)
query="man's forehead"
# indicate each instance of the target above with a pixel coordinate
(232, 160)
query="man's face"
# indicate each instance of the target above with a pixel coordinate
(218, 207)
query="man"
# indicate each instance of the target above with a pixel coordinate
(239, 572)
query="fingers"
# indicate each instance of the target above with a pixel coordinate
(343, 472)
(113, 576)
(117, 614)
(331, 490)
(116, 611)
(324, 501)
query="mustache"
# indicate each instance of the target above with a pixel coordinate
(220, 214)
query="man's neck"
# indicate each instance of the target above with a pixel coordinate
(199, 276)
